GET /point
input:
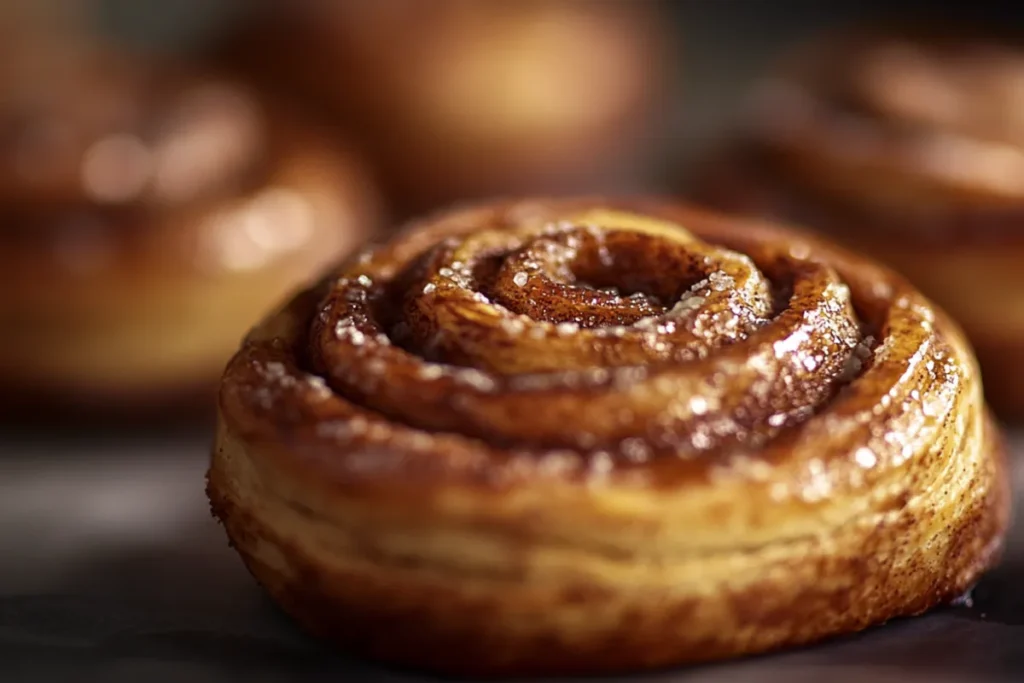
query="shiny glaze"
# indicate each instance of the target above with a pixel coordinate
(908, 147)
(672, 413)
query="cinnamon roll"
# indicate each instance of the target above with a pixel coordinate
(459, 98)
(583, 436)
(909, 147)
(150, 213)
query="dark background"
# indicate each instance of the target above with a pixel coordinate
(112, 570)
(722, 45)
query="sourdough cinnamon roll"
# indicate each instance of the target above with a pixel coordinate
(149, 214)
(459, 98)
(586, 436)
(910, 148)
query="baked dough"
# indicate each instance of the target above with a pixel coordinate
(908, 147)
(583, 436)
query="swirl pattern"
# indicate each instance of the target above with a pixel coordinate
(571, 416)
(906, 146)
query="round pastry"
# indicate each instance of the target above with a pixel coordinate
(149, 215)
(909, 148)
(585, 436)
(469, 99)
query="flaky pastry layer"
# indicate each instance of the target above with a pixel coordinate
(805, 452)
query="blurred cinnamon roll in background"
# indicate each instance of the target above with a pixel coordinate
(150, 213)
(459, 99)
(908, 145)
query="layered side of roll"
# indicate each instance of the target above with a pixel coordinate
(586, 436)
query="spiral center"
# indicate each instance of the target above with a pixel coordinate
(590, 296)
(504, 331)
(593, 278)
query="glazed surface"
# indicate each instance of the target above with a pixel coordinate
(585, 436)
(908, 147)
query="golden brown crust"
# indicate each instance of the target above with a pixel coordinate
(584, 436)
(150, 212)
(470, 99)
(908, 147)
